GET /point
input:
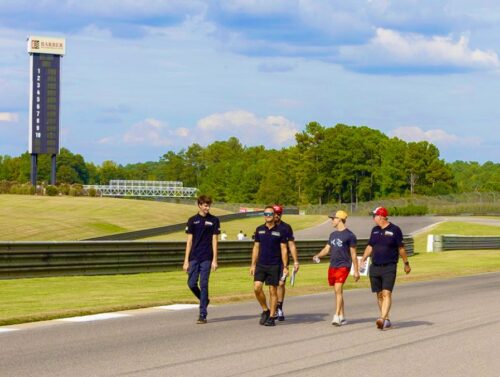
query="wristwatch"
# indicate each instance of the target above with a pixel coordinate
(407, 263)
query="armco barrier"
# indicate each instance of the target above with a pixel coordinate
(454, 242)
(43, 259)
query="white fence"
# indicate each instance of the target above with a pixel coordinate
(152, 189)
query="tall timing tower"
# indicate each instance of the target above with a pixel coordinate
(45, 69)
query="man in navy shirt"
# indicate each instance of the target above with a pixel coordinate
(201, 252)
(385, 246)
(290, 240)
(342, 248)
(269, 254)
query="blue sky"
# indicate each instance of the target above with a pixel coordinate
(141, 78)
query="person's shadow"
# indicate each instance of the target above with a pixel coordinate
(289, 319)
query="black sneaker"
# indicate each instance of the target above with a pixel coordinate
(264, 316)
(201, 320)
(270, 322)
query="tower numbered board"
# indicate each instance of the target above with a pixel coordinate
(45, 86)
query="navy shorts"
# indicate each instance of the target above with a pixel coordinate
(270, 274)
(383, 277)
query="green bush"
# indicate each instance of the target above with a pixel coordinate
(92, 192)
(64, 188)
(51, 190)
(22, 189)
(409, 210)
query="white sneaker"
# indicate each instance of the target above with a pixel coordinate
(343, 321)
(336, 320)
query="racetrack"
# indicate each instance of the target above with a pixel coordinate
(410, 225)
(441, 328)
(362, 226)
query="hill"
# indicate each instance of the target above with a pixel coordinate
(66, 218)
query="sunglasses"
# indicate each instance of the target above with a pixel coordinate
(268, 213)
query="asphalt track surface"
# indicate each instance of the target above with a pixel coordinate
(410, 225)
(441, 328)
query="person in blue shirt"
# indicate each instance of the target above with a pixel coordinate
(385, 246)
(201, 252)
(342, 248)
(269, 254)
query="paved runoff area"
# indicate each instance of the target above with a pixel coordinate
(440, 328)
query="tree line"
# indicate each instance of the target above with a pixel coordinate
(337, 164)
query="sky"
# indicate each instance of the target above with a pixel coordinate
(144, 77)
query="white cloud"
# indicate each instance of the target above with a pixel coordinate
(153, 132)
(248, 128)
(435, 136)
(389, 48)
(9, 117)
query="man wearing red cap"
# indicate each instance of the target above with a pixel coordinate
(386, 246)
(287, 230)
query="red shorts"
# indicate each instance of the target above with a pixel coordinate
(337, 275)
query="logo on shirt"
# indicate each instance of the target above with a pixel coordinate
(337, 242)
(196, 222)
(388, 233)
(262, 232)
(208, 223)
(277, 234)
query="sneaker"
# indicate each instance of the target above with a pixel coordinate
(336, 320)
(280, 315)
(270, 322)
(201, 320)
(264, 316)
(387, 324)
(343, 321)
(380, 323)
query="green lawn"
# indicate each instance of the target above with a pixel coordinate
(66, 218)
(455, 227)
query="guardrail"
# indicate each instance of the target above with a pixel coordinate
(44, 259)
(437, 242)
(162, 230)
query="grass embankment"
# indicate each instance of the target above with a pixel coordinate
(248, 225)
(26, 300)
(66, 218)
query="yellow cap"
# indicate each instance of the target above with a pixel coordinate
(340, 214)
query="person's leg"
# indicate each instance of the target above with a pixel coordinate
(205, 268)
(339, 299)
(193, 275)
(386, 303)
(281, 294)
(380, 301)
(259, 294)
(273, 298)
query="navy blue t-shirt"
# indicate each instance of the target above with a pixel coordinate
(287, 230)
(340, 243)
(270, 241)
(203, 228)
(385, 243)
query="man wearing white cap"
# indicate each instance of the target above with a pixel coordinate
(386, 246)
(342, 248)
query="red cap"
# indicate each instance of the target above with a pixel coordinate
(380, 211)
(278, 209)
